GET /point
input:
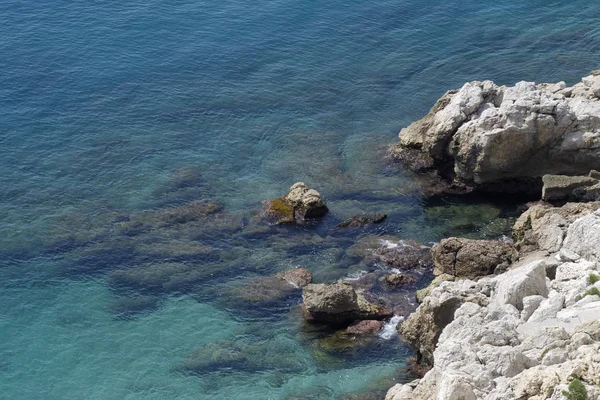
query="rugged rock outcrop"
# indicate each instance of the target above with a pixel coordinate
(532, 332)
(559, 187)
(339, 303)
(299, 204)
(544, 227)
(469, 258)
(494, 137)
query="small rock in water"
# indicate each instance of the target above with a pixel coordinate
(365, 328)
(396, 280)
(362, 220)
(299, 204)
(339, 303)
(298, 277)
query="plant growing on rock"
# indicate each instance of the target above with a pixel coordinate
(593, 278)
(576, 391)
(592, 292)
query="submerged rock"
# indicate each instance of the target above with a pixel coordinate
(339, 303)
(271, 288)
(469, 258)
(229, 355)
(365, 328)
(132, 306)
(299, 204)
(362, 220)
(397, 280)
(393, 252)
(470, 134)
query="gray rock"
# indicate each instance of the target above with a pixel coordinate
(339, 303)
(469, 258)
(362, 220)
(519, 283)
(530, 304)
(558, 187)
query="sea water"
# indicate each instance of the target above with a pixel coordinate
(106, 105)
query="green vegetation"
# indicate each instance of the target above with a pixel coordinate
(593, 278)
(577, 391)
(592, 292)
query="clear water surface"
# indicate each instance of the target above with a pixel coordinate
(117, 110)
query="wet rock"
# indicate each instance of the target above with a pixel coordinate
(558, 187)
(271, 288)
(299, 204)
(339, 303)
(174, 250)
(298, 277)
(469, 258)
(403, 254)
(412, 158)
(362, 220)
(397, 280)
(163, 277)
(422, 329)
(235, 355)
(365, 328)
(470, 133)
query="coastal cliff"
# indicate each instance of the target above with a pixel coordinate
(531, 330)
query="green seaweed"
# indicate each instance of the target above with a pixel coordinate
(576, 391)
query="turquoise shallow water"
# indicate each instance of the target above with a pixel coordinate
(112, 109)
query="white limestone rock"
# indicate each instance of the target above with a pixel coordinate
(557, 129)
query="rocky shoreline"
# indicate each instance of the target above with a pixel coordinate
(520, 319)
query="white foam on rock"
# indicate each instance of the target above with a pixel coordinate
(389, 329)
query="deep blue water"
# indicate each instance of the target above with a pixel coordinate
(104, 104)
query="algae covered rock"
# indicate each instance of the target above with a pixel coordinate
(266, 289)
(339, 303)
(300, 204)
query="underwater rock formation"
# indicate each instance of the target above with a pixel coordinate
(362, 220)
